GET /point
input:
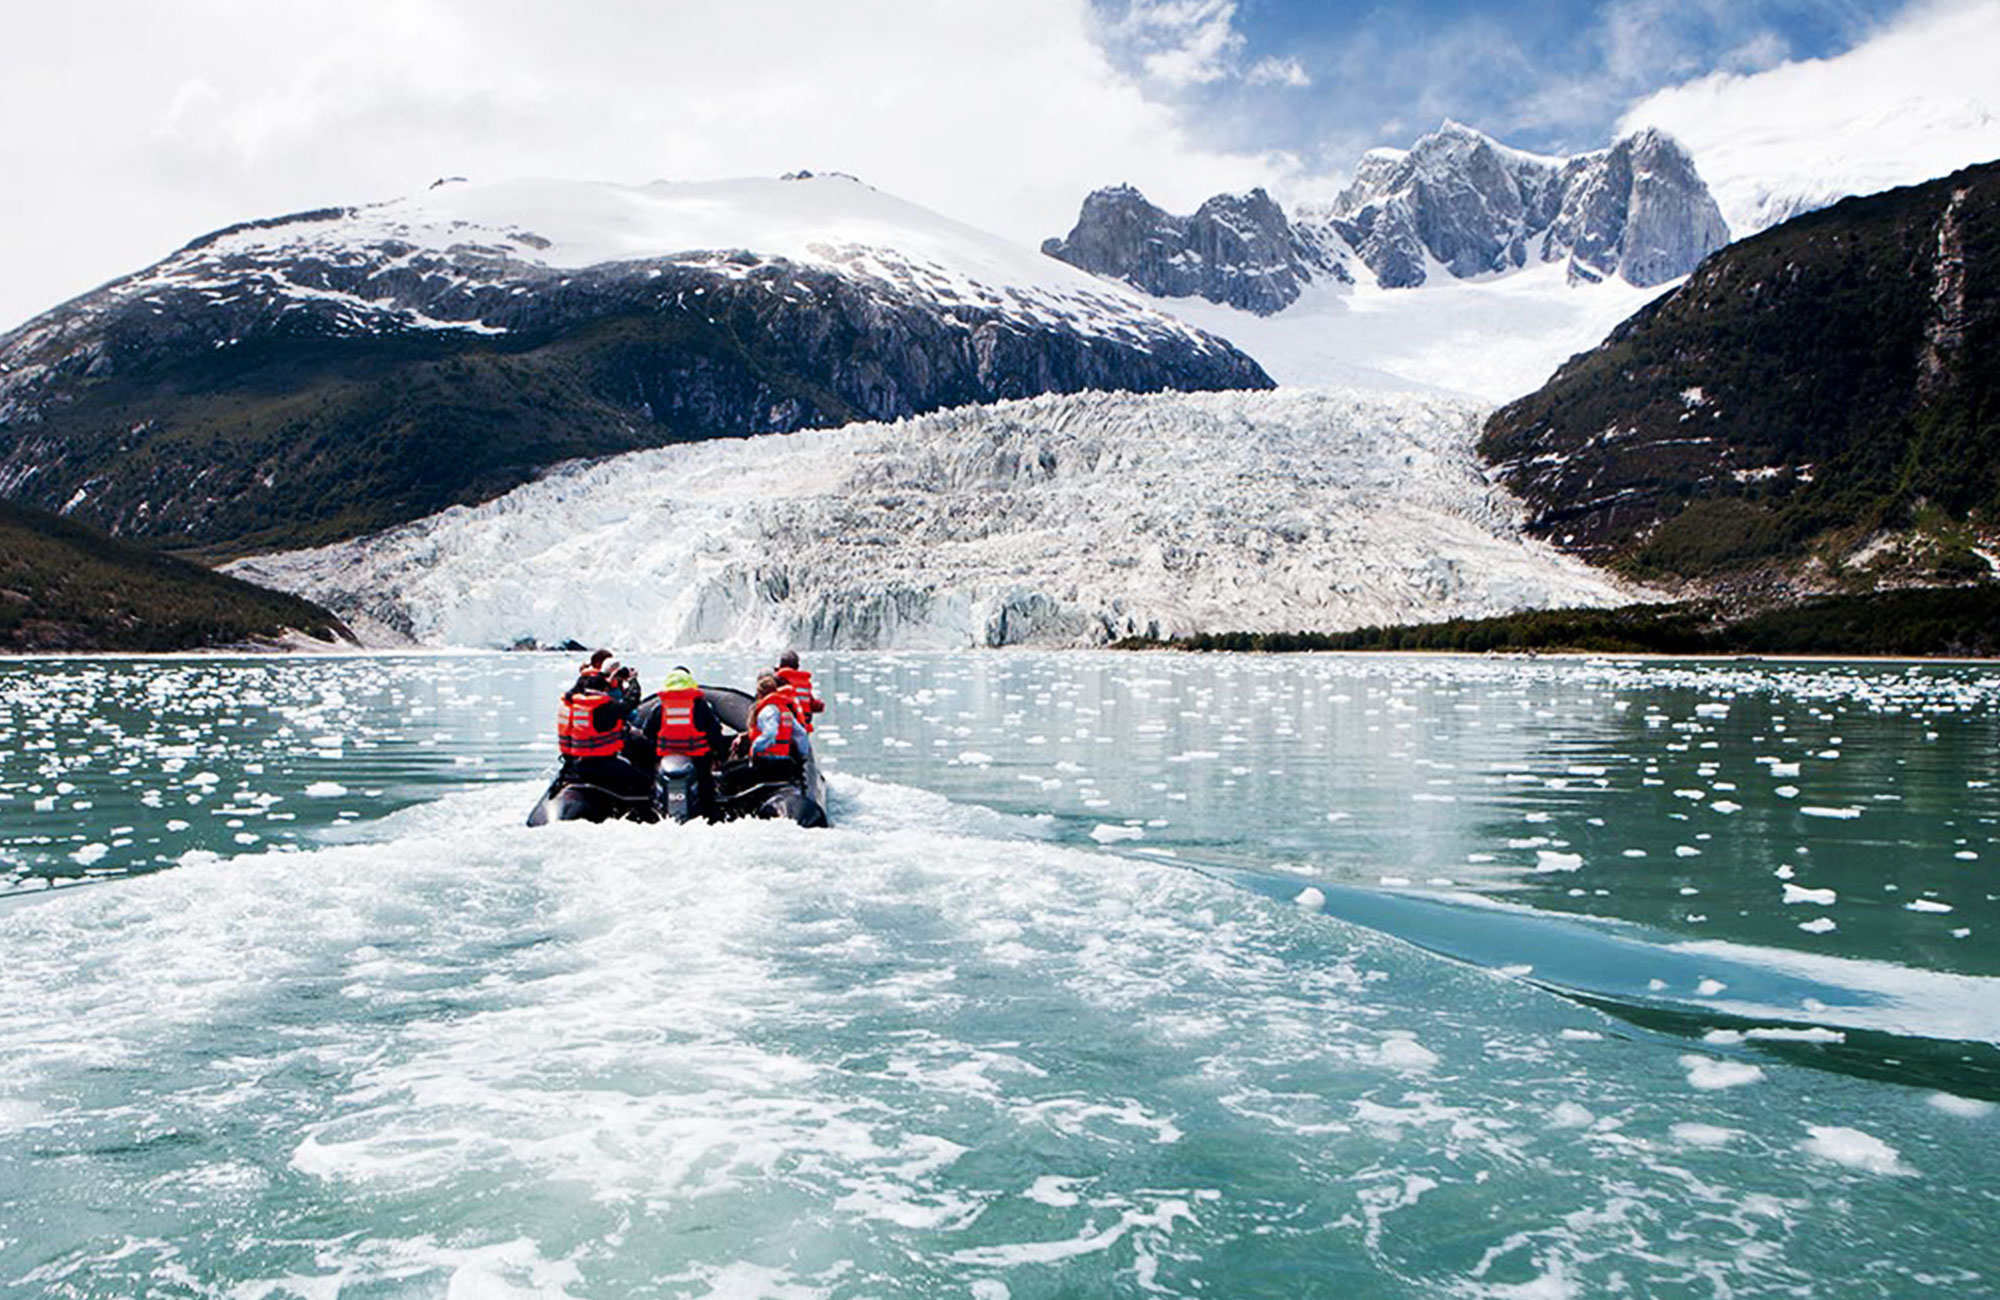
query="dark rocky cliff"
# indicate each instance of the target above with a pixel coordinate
(1237, 249)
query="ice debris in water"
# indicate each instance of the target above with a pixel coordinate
(1696, 1134)
(1710, 1075)
(1800, 894)
(1855, 1149)
(1311, 898)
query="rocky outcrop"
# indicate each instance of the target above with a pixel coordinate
(1458, 200)
(1237, 249)
(1637, 210)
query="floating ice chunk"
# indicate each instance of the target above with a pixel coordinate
(1786, 792)
(46, 804)
(1819, 897)
(204, 779)
(1926, 905)
(1686, 851)
(1108, 834)
(1843, 814)
(1784, 769)
(1708, 988)
(89, 853)
(1710, 1075)
(1818, 925)
(1568, 1114)
(1634, 853)
(1726, 806)
(1789, 1034)
(1401, 1051)
(1963, 1107)
(1695, 1134)
(1582, 1036)
(1550, 860)
(1853, 1148)
(1712, 710)
(326, 790)
(1311, 898)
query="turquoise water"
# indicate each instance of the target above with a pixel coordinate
(1120, 975)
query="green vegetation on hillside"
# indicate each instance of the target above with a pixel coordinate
(1921, 623)
(67, 587)
(1829, 380)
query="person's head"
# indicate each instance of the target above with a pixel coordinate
(766, 685)
(609, 667)
(597, 658)
(789, 659)
(679, 679)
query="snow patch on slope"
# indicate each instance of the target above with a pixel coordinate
(1802, 135)
(1494, 338)
(1056, 520)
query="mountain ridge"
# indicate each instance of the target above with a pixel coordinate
(322, 375)
(1458, 201)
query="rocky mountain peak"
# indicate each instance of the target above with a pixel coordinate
(1238, 249)
(1457, 198)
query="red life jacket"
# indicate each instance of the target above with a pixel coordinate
(576, 727)
(781, 745)
(678, 734)
(804, 702)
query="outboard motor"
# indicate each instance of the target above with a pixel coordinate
(678, 789)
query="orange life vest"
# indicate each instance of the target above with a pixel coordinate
(576, 727)
(678, 734)
(781, 744)
(799, 684)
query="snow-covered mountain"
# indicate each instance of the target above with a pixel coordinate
(1057, 520)
(1522, 260)
(1457, 203)
(335, 371)
(1461, 201)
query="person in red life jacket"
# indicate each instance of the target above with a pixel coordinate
(804, 702)
(775, 733)
(624, 682)
(590, 732)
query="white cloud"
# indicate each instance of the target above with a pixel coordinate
(1918, 100)
(1184, 43)
(1275, 71)
(206, 112)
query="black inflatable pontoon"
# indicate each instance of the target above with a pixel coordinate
(778, 789)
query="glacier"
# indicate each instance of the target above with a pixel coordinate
(1052, 521)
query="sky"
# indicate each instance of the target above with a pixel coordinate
(131, 126)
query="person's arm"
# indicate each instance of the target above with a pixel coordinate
(766, 736)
